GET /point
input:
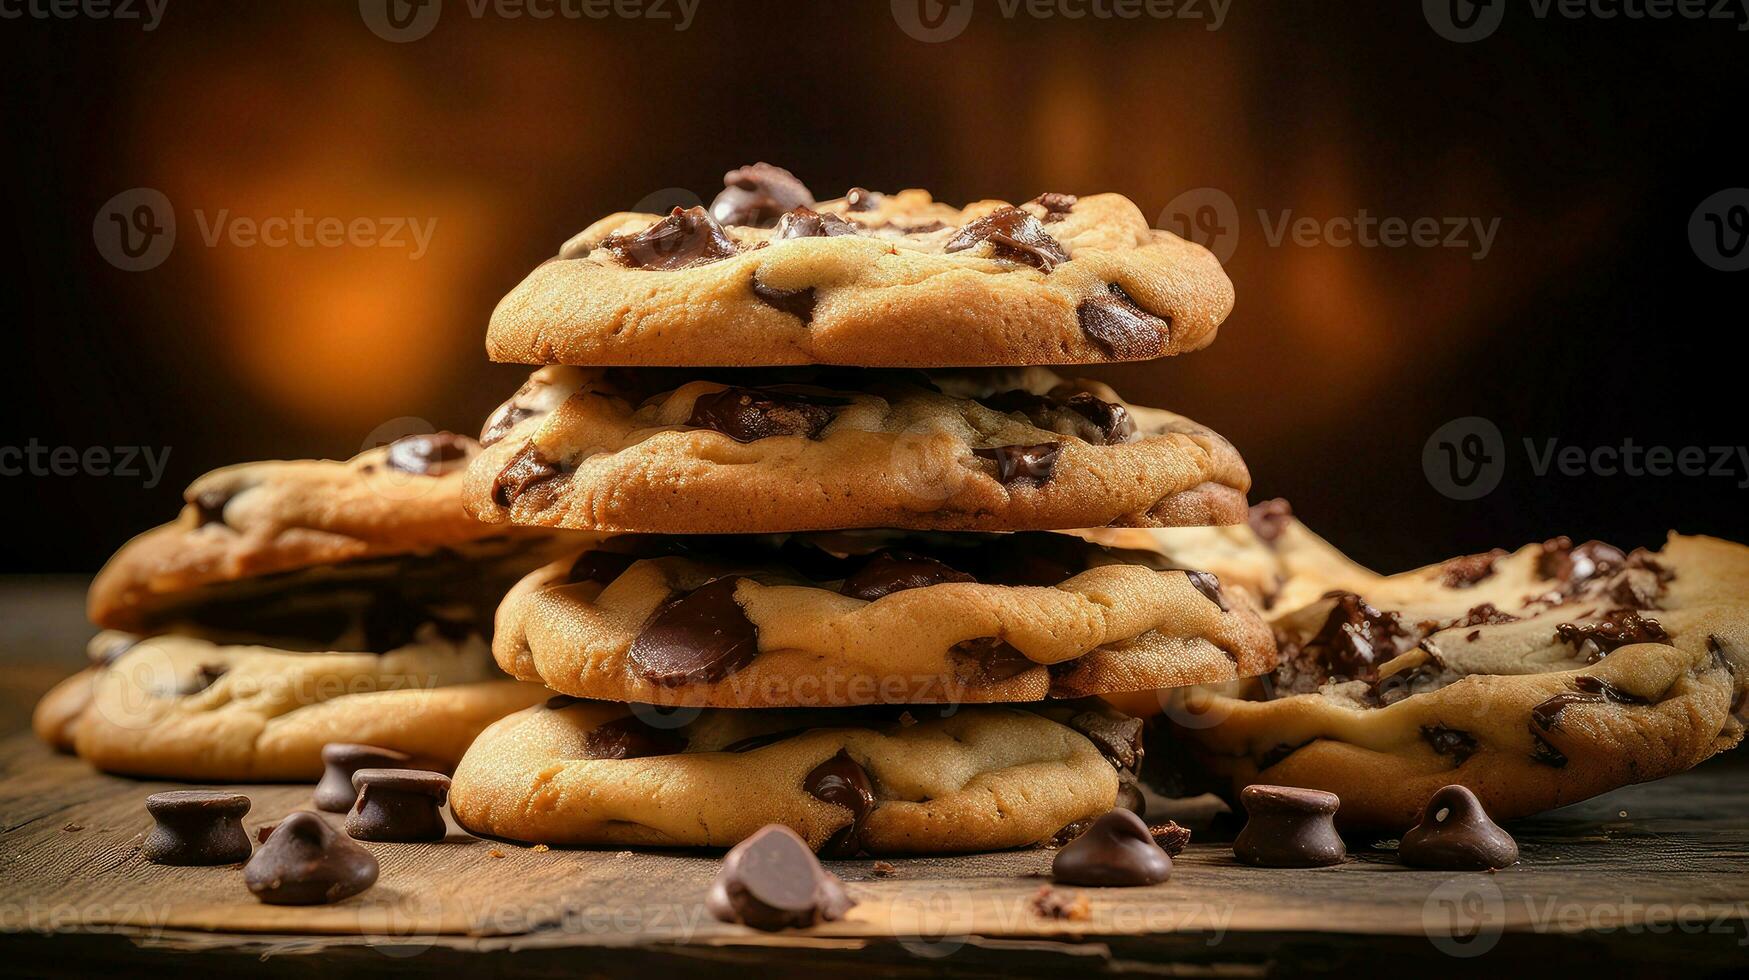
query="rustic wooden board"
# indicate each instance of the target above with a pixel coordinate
(1646, 874)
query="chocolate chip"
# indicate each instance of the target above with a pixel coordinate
(1210, 587)
(1014, 236)
(1288, 827)
(1460, 745)
(340, 760)
(1618, 629)
(601, 567)
(751, 414)
(756, 195)
(1356, 638)
(686, 237)
(1462, 573)
(1485, 614)
(862, 199)
(1120, 327)
(1456, 834)
(1084, 416)
(430, 455)
(528, 470)
(1171, 837)
(988, 660)
(1269, 519)
(504, 418)
(1118, 737)
(1023, 464)
(209, 507)
(808, 223)
(1572, 565)
(1117, 851)
(196, 827)
(1586, 690)
(703, 636)
(631, 738)
(798, 303)
(772, 881)
(400, 805)
(1049, 903)
(1055, 205)
(841, 782)
(890, 571)
(306, 862)
(1542, 752)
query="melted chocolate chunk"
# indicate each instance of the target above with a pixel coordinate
(1117, 851)
(631, 738)
(889, 571)
(1023, 464)
(862, 199)
(194, 827)
(504, 418)
(430, 455)
(1618, 629)
(1573, 565)
(1210, 587)
(1288, 827)
(1542, 752)
(751, 414)
(528, 470)
(306, 862)
(687, 237)
(1120, 327)
(772, 881)
(1118, 737)
(704, 636)
(841, 782)
(758, 194)
(1486, 614)
(601, 567)
(1014, 236)
(209, 507)
(1586, 690)
(798, 303)
(1086, 417)
(1462, 573)
(1055, 205)
(1269, 519)
(808, 223)
(1356, 638)
(1456, 834)
(1460, 745)
(988, 660)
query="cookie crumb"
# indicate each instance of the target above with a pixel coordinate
(884, 869)
(73, 828)
(494, 853)
(1048, 903)
(1170, 836)
(540, 847)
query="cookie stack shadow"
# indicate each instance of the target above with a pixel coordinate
(830, 485)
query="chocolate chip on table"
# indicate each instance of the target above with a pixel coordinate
(1171, 837)
(686, 237)
(808, 223)
(758, 194)
(306, 862)
(196, 827)
(430, 455)
(842, 782)
(528, 470)
(1288, 827)
(772, 881)
(862, 199)
(1118, 325)
(1049, 903)
(1014, 236)
(751, 414)
(1117, 851)
(703, 636)
(1618, 629)
(1055, 205)
(399, 805)
(340, 760)
(631, 737)
(889, 571)
(798, 302)
(1456, 834)
(1023, 464)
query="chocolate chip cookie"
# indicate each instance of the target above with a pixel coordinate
(768, 276)
(1536, 678)
(849, 782)
(727, 451)
(872, 618)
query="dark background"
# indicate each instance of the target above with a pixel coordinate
(1592, 319)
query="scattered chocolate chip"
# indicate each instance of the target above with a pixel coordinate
(862, 199)
(1171, 837)
(988, 660)
(686, 237)
(798, 303)
(340, 760)
(1586, 690)
(1462, 573)
(1014, 236)
(756, 195)
(807, 223)
(1055, 205)
(1289, 827)
(1460, 745)
(631, 738)
(890, 571)
(841, 782)
(209, 507)
(1456, 834)
(430, 455)
(1618, 629)
(1210, 587)
(751, 414)
(772, 881)
(1049, 903)
(600, 567)
(399, 805)
(196, 827)
(1031, 465)
(306, 862)
(1270, 518)
(1117, 851)
(703, 636)
(1120, 327)
(528, 470)
(1572, 565)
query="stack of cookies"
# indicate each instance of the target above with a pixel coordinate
(826, 470)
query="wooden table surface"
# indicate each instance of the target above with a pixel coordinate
(1644, 878)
